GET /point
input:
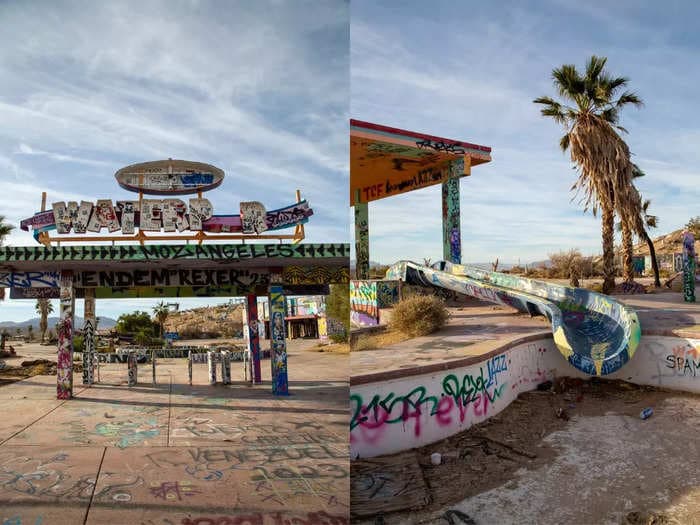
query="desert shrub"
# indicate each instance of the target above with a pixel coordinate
(78, 343)
(419, 315)
(517, 269)
(566, 265)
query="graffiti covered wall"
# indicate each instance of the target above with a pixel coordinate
(364, 309)
(388, 416)
(395, 415)
(388, 293)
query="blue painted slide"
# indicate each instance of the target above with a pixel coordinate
(595, 333)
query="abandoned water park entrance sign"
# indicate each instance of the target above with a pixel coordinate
(170, 270)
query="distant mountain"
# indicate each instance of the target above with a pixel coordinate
(105, 322)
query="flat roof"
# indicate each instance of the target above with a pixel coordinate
(387, 161)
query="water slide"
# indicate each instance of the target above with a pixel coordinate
(595, 333)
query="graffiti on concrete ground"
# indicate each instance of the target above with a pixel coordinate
(53, 478)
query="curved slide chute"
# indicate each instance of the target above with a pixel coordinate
(595, 333)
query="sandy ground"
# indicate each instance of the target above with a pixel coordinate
(178, 454)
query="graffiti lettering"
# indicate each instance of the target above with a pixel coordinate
(212, 252)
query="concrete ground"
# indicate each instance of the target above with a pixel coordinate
(178, 454)
(474, 329)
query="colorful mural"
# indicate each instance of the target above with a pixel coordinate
(364, 309)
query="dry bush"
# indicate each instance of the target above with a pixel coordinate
(419, 315)
(567, 265)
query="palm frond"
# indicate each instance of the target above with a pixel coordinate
(629, 98)
(595, 67)
(564, 142)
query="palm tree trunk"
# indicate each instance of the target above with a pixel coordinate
(627, 253)
(654, 262)
(608, 220)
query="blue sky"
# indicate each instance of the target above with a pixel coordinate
(469, 71)
(259, 89)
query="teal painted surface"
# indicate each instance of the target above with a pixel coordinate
(451, 232)
(595, 333)
(362, 240)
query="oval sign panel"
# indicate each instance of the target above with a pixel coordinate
(169, 177)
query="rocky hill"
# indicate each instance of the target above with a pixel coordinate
(210, 321)
(669, 243)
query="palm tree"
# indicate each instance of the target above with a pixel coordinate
(590, 115)
(635, 218)
(161, 312)
(5, 230)
(43, 308)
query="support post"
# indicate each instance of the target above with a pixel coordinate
(451, 234)
(89, 337)
(689, 267)
(189, 365)
(361, 238)
(278, 345)
(251, 307)
(132, 368)
(211, 363)
(64, 366)
(153, 365)
(226, 367)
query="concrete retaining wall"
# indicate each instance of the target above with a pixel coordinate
(411, 411)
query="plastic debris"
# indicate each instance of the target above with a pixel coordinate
(436, 458)
(646, 413)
